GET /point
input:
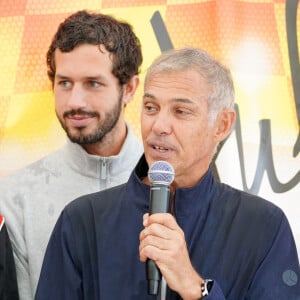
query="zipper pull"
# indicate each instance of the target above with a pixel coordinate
(103, 169)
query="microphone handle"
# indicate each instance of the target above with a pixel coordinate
(160, 202)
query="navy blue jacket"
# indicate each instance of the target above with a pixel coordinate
(241, 241)
(8, 277)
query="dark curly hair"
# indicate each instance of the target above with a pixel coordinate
(85, 27)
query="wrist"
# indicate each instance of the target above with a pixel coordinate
(195, 288)
(191, 290)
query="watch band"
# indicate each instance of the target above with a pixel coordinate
(206, 287)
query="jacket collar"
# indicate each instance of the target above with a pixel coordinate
(90, 165)
(187, 200)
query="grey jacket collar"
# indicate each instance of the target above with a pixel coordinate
(101, 167)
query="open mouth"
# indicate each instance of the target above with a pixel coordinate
(159, 148)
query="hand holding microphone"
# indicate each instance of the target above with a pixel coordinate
(161, 175)
(165, 238)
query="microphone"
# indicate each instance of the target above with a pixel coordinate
(161, 175)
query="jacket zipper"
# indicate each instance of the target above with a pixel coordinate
(103, 169)
(103, 172)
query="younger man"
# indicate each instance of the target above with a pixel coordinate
(93, 64)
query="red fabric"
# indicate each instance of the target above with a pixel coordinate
(1, 221)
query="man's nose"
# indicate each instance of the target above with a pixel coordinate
(77, 97)
(162, 123)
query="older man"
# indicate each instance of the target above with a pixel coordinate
(215, 242)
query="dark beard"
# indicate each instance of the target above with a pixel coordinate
(110, 120)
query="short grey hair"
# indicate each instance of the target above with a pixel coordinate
(216, 74)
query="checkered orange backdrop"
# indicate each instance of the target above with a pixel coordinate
(248, 36)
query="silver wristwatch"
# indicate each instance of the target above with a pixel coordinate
(206, 287)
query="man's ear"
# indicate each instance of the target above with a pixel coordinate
(224, 124)
(130, 88)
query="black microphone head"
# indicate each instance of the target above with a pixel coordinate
(161, 172)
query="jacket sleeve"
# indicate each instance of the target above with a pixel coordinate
(279, 274)
(60, 276)
(8, 279)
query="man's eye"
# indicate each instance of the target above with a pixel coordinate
(149, 108)
(181, 112)
(95, 84)
(64, 83)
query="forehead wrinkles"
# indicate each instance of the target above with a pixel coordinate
(180, 85)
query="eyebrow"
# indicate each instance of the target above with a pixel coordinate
(180, 100)
(96, 77)
(148, 95)
(60, 76)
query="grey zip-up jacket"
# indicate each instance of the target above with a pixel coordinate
(33, 198)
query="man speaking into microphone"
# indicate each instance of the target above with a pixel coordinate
(207, 240)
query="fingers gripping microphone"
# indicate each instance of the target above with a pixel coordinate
(161, 175)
